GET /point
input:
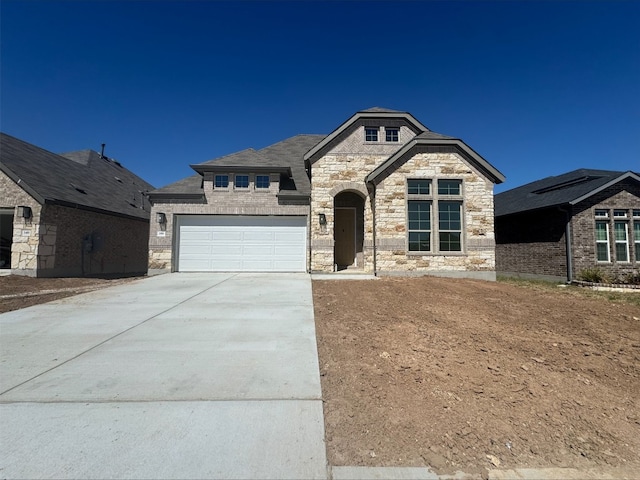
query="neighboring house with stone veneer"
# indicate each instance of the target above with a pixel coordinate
(75, 214)
(380, 194)
(557, 227)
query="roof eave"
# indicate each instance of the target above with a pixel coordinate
(489, 170)
(628, 174)
(202, 169)
(16, 178)
(354, 118)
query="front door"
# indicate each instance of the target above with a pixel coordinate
(344, 235)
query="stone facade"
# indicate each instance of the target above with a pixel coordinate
(344, 168)
(26, 232)
(533, 244)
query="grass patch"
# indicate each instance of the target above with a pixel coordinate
(629, 298)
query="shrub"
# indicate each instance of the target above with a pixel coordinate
(632, 278)
(594, 275)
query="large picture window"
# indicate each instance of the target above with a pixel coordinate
(435, 216)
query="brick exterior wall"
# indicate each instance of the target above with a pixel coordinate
(344, 168)
(229, 201)
(50, 244)
(114, 245)
(622, 196)
(534, 244)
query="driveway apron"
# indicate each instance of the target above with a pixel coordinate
(175, 376)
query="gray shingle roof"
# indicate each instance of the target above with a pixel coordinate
(284, 155)
(83, 179)
(565, 189)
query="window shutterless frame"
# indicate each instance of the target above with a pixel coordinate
(435, 216)
(371, 134)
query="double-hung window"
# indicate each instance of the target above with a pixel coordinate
(450, 215)
(602, 235)
(434, 217)
(419, 213)
(621, 235)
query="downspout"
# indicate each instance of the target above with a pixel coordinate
(372, 195)
(567, 237)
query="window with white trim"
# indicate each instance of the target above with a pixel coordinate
(602, 240)
(221, 181)
(636, 234)
(371, 134)
(425, 205)
(621, 235)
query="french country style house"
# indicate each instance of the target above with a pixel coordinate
(380, 194)
(559, 227)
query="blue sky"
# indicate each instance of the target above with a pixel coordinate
(537, 88)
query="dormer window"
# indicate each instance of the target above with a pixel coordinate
(262, 181)
(221, 181)
(242, 181)
(392, 134)
(371, 134)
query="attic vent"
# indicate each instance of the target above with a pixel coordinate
(568, 183)
(81, 190)
(133, 205)
(118, 179)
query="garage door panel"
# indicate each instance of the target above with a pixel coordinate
(241, 243)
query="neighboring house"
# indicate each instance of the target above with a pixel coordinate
(559, 226)
(76, 214)
(380, 194)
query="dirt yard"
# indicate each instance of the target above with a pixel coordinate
(17, 291)
(471, 375)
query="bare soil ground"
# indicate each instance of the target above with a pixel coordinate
(17, 291)
(471, 375)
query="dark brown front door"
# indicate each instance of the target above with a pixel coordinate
(344, 234)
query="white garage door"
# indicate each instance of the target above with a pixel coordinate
(220, 243)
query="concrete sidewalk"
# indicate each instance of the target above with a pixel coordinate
(174, 376)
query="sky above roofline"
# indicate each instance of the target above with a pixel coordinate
(536, 88)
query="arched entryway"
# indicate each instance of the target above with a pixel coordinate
(348, 230)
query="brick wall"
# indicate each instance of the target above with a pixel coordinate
(625, 196)
(532, 243)
(89, 243)
(218, 202)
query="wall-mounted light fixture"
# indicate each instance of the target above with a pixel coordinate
(24, 211)
(161, 218)
(322, 218)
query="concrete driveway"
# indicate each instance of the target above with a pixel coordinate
(174, 376)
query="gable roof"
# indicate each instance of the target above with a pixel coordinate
(81, 179)
(284, 157)
(371, 113)
(434, 142)
(566, 189)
